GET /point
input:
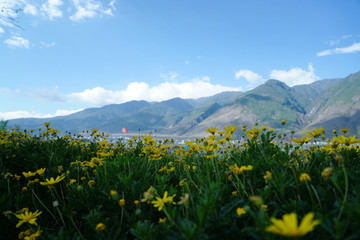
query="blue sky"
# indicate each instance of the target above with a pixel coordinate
(68, 55)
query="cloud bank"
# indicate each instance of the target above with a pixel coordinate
(249, 76)
(295, 76)
(17, 42)
(99, 96)
(200, 87)
(292, 77)
(26, 114)
(349, 49)
(52, 9)
(90, 8)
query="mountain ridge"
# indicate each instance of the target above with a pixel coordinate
(328, 102)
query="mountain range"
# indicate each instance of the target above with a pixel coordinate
(330, 103)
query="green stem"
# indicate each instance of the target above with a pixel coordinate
(170, 218)
(317, 196)
(34, 194)
(346, 191)
(8, 184)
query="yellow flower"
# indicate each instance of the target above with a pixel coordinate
(172, 169)
(122, 202)
(304, 177)
(344, 130)
(235, 193)
(25, 209)
(47, 124)
(267, 176)
(212, 130)
(238, 170)
(34, 235)
(288, 226)
(221, 133)
(27, 217)
(162, 220)
(184, 199)
(29, 174)
(24, 189)
(253, 133)
(159, 202)
(302, 140)
(315, 133)
(100, 227)
(347, 141)
(182, 182)
(149, 195)
(91, 183)
(40, 171)
(257, 200)
(136, 202)
(52, 181)
(72, 181)
(230, 129)
(326, 173)
(162, 169)
(283, 122)
(113, 193)
(240, 211)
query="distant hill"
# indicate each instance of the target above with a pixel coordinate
(331, 103)
(339, 106)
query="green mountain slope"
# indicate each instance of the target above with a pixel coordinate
(307, 94)
(331, 103)
(339, 106)
(268, 104)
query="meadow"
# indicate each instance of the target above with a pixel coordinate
(266, 185)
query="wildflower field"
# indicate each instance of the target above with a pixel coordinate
(265, 185)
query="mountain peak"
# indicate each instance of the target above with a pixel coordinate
(276, 83)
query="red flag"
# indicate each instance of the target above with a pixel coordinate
(124, 130)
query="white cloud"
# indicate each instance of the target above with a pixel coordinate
(169, 77)
(112, 4)
(17, 42)
(52, 9)
(337, 41)
(26, 114)
(142, 91)
(44, 44)
(349, 49)
(1, 31)
(62, 112)
(205, 79)
(90, 9)
(9, 12)
(295, 76)
(31, 9)
(249, 76)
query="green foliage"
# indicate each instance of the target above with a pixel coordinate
(108, 189)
